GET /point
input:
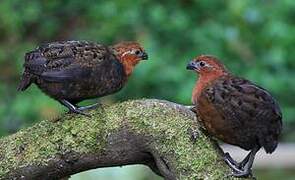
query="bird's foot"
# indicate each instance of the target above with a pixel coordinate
(79, 111)
(238, 169)
(242, 169)
(241, 173)
(236, 172)
(92, 106)
(72, 108)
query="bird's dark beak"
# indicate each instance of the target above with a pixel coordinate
(144, 56)
(191, 65)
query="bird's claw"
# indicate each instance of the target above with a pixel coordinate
(237, 168)
(75, 109)
(240, 173)
(78, 111)
(243, 173)
(92, 106)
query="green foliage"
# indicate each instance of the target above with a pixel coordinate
(253, 38)
(253, 43)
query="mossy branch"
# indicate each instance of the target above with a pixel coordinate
(163, 135)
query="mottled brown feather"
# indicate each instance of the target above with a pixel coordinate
(236, 110)
(240, 113)
(75, 70)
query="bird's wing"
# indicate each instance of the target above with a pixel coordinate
(242, 101)
(67, 60)
(249, 108)
(70, 73)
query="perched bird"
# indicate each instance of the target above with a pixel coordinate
(235, 110)
(72, 71)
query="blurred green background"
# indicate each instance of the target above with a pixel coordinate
(255, 39)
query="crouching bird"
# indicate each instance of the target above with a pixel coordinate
(235, 110)
(72, 71)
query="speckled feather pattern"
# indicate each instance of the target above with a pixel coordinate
(241, 113)
(73, 70)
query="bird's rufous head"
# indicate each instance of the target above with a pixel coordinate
(209, 68)
(207, 65)
(129, 54)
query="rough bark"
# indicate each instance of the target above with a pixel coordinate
(163, 135)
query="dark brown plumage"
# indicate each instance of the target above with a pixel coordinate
(72, 71)
(235, 111)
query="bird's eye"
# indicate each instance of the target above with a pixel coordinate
(202, 64)
(137, 52)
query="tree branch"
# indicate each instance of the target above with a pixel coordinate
(163, 135)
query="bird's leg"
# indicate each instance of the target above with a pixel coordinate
(246, 164)
(72, 107)
(244, 161)
(82, 108)
(246, 168)
(229, 160)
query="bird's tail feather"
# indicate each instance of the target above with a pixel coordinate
(25, 82)
(269, 143)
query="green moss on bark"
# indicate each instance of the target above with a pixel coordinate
(169, 124)
(171, 128)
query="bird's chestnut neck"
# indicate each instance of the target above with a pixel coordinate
(203, 81)
(129, 62)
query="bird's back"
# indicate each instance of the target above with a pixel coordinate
(241, 113)
(75, 70)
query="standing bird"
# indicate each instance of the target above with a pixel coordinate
(72, 71)
(235, 110)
